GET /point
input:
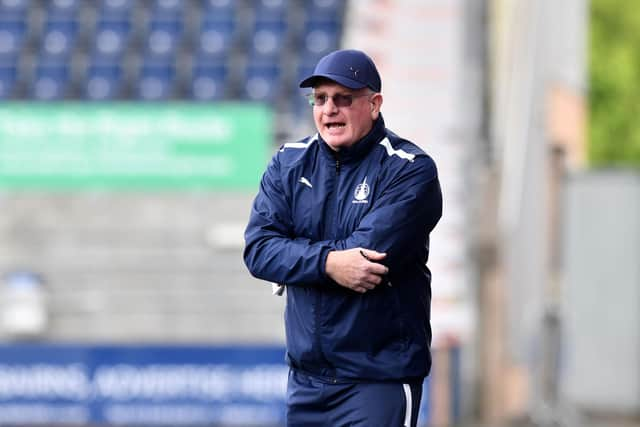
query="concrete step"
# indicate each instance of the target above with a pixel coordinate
(243, 327)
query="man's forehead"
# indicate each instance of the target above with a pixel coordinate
(329, 86)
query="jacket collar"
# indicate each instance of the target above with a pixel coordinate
(360, 148)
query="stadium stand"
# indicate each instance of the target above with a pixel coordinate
(158, 50)
(153, 275)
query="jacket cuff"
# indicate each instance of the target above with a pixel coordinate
(323, 261)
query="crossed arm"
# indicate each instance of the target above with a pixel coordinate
(392, 231)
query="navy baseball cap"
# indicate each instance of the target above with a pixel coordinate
(350, 68)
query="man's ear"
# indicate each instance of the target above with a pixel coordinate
(376, 103)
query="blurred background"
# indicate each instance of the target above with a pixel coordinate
(133, 134)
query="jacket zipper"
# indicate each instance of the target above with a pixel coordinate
(329, 233)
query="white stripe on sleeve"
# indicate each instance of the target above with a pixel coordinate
(400, 153)
(305, 144)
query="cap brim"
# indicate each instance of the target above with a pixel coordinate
(341, 80)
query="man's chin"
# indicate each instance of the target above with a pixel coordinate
(336, 142)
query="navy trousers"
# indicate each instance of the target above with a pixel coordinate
(312, 402)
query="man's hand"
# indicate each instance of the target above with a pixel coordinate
(349, 268)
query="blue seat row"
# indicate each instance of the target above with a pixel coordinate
(112, 37)
(183, 49)
(208, 81)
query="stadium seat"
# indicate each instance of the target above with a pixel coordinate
(7, 80)
(12, 35)
(63, 9)
(50, 81)
(209, 82)
(115, 9)
(102, 81)
(323, 10)
(167, 9)
(110, 39)
(59, 39)
(219, 10)
(14, 9)
(163, 38)
(155, 81)
(271, 10)
(215, 39)
(268, 40)
(261, 82)
(319, 38)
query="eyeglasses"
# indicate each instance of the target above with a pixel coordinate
(339, 100)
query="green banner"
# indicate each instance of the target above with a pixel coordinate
(133, 145)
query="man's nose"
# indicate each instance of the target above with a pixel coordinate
(329, 106)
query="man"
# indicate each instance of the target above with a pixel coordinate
(342, 219)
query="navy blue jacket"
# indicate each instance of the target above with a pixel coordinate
(382, 193)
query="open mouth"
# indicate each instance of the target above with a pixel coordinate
(335, 125)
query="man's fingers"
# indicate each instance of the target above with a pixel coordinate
(374, 255)
(366, 287)
(358, 269)
(369, 283)
(369, 278)
(374, 280)
(378, 269)
(372, 267)
(374, 258)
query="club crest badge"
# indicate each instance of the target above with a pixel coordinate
(361, 192)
